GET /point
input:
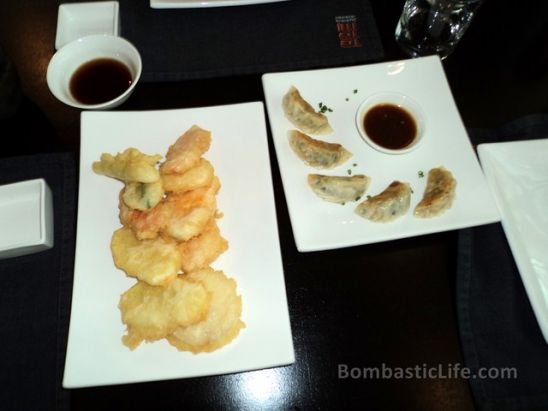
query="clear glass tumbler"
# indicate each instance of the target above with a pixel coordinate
(434, 26)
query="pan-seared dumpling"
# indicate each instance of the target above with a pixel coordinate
(302, 114)
(339, 189)
(388, 205)
(438, 195)
(317, 153)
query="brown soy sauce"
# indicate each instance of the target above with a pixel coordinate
(390, 126)
(99, 81)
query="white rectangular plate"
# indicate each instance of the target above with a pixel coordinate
(518, 175)
(319, 225)
(239, 153)
(181, 4)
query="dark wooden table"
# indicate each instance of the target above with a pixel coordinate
(390, 303)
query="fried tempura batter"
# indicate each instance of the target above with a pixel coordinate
(169, 225)
(199, 176)
(202, 250)
(130, 165)
(181, 216)
(156, 262)
(222, 323)
(143, 196)
(186, 151)
(151, 313)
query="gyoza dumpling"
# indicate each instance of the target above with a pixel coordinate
(317, 153)
(338, 189)
(438, 195)
(388, 205)
(302, 114)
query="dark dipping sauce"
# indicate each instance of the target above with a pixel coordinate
(99, 81)
(390, 126)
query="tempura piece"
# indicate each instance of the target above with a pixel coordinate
(222, 323)
(199, 176)
(186, 151)
(130, 165)
(143, 196)
(181, 216)
(438, 195)
(302, 114)
(191, 211)
(151, 313)
(155, 262)
(317, 153)
(199, 252)
(388, 205)
(339, 189)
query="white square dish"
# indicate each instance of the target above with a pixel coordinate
(75, 20)
(518, 175)
(95, 353)
(319, 225)
(26, 218)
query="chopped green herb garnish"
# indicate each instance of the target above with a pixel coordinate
(343, 203)
(368, 197)
(421, 174)
(346, 99)
(355, 91)
(349, 171)
(412, 192)
(357, 198)
(355, 164)
(324, 108)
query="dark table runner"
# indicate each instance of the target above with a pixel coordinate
(181, 44)
(35, 295)
(498, 328)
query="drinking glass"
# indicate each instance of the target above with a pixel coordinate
(434, 26)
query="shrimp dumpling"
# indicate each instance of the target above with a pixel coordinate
(387, 206)
(317, 153)
(302, 114)
(338, 189)
(438, 195)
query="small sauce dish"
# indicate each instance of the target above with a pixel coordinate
(97, 48)
(391, 122)
(75, 20)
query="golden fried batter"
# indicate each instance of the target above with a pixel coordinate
(202, 250)
(154, 261)
(143, 196)
(181, 216)
(222, 323)
(186, 151)
(199, 176)
(130, 165)
(151, 313)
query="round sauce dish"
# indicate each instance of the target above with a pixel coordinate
(391, 122)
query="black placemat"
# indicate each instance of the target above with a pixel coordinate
(180, 44)
(35, 295)
(497, 326)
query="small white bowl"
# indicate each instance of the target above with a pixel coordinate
(26, 218)
(70, 57)
(403, 102)
(75, 20)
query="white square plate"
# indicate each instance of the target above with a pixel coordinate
(518, 175)
(181, 4)
(75, 20)
(26, 218)
(239, 153)
(319, 225)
